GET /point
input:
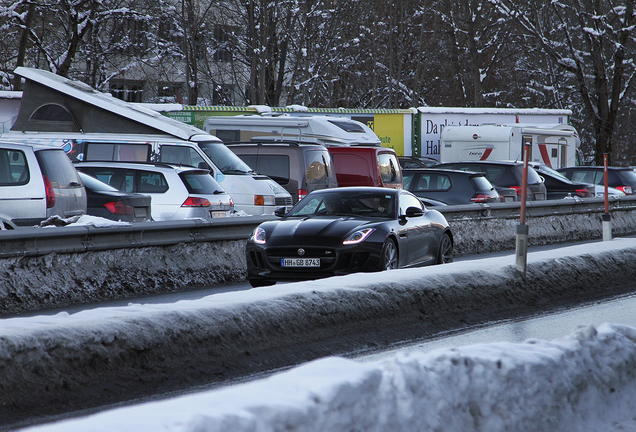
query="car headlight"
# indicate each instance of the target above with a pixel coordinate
(358, 236)
(258, 235)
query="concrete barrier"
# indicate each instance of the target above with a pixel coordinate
(55, 267)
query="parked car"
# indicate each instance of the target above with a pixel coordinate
(366, 166)
(505, 174)
(621, 178)
(410, 162)
(559, 186)
(347, 230)
(37, 182)
(450, 186)
(299, 168)
(176, 192)
(107, 202)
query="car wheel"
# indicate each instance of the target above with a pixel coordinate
(445, 253)
(261, 283)
(389, 257)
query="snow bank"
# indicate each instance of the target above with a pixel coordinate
(583, 382)
(102, 356)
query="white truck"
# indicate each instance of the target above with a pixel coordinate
(453, 134)
(319, 129)
(555, 146)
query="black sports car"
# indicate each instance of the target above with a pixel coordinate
(346, 230)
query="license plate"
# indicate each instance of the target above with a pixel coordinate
(140, 212)
(300, 262)
(218, 214)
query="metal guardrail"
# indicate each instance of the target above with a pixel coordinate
(87, 238)
(77, 239)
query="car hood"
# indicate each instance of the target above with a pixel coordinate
(313, 229)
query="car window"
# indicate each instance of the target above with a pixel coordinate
(200, 183)
(628, 176)
(151, 182)
(389, 168)
(14, 170)
(58, 168)
(584, 176)
(407, 178)
(433, 182)
(481, 183)
(92, 183)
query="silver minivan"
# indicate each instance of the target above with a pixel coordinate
(37, 182)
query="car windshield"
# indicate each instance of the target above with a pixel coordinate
(339, 203)
(224, 158)
(553, 173)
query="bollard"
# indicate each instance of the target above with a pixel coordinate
(521, 251)
(607, 226)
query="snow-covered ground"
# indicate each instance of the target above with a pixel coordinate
(583, 382)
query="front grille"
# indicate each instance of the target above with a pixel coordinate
(309, 253)
(287, 201)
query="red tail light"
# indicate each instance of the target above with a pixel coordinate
(196, 202)
(302, 193)
(583, 193)
(480, 198)
(626, 189)
(119, 208)
(50, 193)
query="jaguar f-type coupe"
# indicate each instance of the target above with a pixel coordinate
(346, 230)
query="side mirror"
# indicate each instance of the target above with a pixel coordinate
(280, 211)
(204, 165)
(414, 212)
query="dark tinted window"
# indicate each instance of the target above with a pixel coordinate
(228, 135)
(347, 126)
(181, 155)
(58, 168)
(273, 165)
(628, 176)
(481, 183)
(52, 112)
(200, 183)
(14, 170)
(151, 182)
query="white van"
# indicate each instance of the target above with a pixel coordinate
(318, 129)
(94, 126)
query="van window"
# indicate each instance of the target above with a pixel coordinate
(274, 166)
(14, 170)
(117, 152)
(52, 112)
(227, 135)
(389, 168)
(317, 166)
(58, 168)
(181, 155)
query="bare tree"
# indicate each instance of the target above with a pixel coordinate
(589, 42)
